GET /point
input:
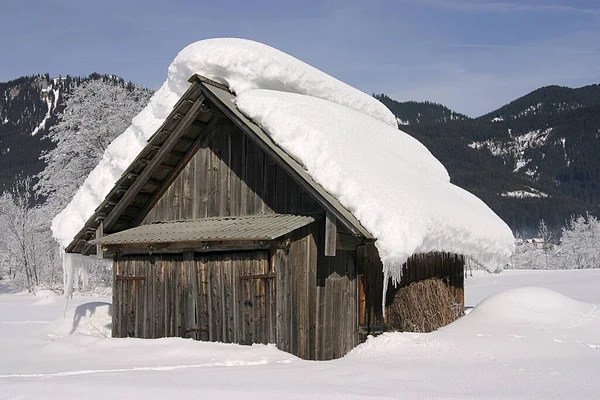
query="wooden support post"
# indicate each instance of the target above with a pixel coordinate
(330, 234)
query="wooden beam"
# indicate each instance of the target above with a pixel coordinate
(330, 234)
(157, 160)
(180, 247)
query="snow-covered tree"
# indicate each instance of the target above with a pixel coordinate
(580, 243)
(96, 112)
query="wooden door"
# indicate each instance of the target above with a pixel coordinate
(236, 298)
(128, 294)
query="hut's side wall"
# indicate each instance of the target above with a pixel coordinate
(230, 175)
(292, 295)
(445, 266)
(318, 294)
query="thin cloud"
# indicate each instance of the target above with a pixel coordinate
(503, 7)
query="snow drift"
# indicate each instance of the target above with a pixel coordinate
(347, 141)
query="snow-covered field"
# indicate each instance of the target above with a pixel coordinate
(538, 336)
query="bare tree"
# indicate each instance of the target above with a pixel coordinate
(17, 210)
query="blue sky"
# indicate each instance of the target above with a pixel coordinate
(470, 55)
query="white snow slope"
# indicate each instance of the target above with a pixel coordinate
(520, 343)
(347, 141)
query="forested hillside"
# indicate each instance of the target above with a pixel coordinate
(534, 158)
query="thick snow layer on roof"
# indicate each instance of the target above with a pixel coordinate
(392, 184)
(347, 141)
(243, 65)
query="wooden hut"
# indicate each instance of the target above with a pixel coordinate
(218, 234)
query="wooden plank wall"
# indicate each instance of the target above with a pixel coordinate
(309, 309)
(446, 266)
(230, 176)
(204, 296)
(318, 294)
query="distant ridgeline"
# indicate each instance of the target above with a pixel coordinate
(29, 107)
(537, 157)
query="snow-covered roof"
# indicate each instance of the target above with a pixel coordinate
(347, 141)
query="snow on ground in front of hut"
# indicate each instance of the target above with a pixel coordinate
(537, 336)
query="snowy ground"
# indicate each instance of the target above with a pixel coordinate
(527, 342)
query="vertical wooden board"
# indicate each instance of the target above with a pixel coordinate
(168, 268)
(114, 326)
(131, 299)
(269, 178)
(182, 299)
(249, 168)
(318, 323)
(136, 297)
(186, 196)
(330, 234)
(214, 177)
(225, 172)
(248, 301)
(229, 305)
(173, 212)
(259, 167)
(350, 313)
(328, 339)
(272, 298)
(204, 297)
(244, 190)
(151, 296)
(238, 303)
(181, 296)
(201, 182)
(190, 282)
(158, 291)
(255, 284)
(216, 300)
(164, 297)
(299, 312)
(310, 288)
(235, 170)
(280, 191)
(264, 297)
(259, 299)
(126, 301)
(282, 300)
(178, 299)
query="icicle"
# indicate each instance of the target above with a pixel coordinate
(393, 271)
(386, 277)
(68, 274)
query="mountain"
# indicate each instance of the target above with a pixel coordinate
(29, 108)
(536, 157)
(414, 112)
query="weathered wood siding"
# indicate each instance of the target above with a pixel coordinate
(445, 266)
(216, 297)
(292, 295)
(318, 294)
(230, 175)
